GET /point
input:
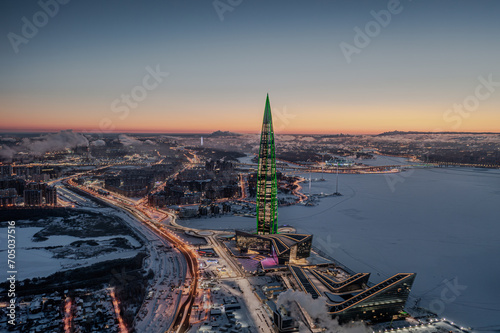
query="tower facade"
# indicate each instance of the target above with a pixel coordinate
(267, 183)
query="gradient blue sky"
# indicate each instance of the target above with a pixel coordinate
(428, 58)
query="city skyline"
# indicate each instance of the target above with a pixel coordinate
(425, 66)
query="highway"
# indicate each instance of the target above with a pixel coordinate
(183, 313)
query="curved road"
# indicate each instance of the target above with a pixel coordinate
(183, 314)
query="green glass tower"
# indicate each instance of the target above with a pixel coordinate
(267, 183)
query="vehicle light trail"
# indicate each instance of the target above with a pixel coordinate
(121, 323)
(68, 315)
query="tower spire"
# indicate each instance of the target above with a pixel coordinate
(268, 119)
(267, 183)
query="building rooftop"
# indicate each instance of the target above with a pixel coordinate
(282, 242)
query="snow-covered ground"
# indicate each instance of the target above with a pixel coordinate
(25, 239)
(441, 223)
(34, 260)
(169, 267)
(247, 159)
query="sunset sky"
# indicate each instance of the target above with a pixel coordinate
(72, 72)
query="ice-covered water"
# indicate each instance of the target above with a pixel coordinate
(442, 223)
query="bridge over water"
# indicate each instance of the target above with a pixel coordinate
(367, 168)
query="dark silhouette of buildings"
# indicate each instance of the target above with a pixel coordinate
(39, 194)
(216, 180)
(8, 197)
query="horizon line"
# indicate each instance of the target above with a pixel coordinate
(185, 132)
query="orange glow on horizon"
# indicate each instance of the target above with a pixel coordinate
(209, 131)
(315, 119)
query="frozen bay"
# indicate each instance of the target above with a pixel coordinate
(442, 223)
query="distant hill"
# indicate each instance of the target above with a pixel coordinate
(416, 132)
(223, 133)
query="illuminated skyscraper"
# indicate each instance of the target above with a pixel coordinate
(267, 183)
